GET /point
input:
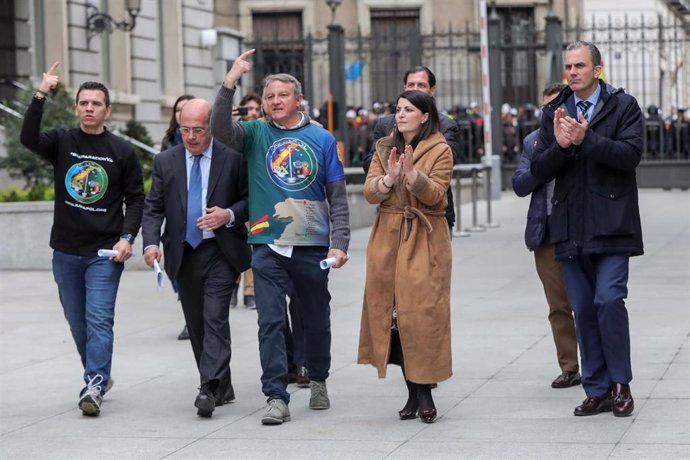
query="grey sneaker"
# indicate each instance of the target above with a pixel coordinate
(319, 396)
(90, 398)
(277, 413)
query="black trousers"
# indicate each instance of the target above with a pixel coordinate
(205, 282)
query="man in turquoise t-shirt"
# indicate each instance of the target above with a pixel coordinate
(298, 216)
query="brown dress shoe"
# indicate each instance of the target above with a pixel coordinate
(623, 403)
(594, 405)
(566, 379)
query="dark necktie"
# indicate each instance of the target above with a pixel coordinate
(584, 106)
(194, 235)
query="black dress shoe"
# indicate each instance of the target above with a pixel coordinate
(227, 398)
(249, 301)
(184, 335)
(427, 409)
(409, 412)
(566, 379)
(623, 403)
(205, 403)
(594, 405)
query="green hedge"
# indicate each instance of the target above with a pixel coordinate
(32, 194)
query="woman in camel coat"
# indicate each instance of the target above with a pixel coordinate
(406, 312)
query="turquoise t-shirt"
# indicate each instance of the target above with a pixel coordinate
(288, 173)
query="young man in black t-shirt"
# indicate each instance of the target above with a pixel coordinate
(95, 173)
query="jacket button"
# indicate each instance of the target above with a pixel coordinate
(612, 196)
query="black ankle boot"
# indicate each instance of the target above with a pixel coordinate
(410, 410)
(427, 409)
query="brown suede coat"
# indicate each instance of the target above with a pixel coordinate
(409, 264)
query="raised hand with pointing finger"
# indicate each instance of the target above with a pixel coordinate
(240, 67)
(50, 79)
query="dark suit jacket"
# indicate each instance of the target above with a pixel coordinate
(167, 200)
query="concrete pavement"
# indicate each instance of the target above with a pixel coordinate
(497, 405)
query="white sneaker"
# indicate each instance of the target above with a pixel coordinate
(90, 398)
(277, 413)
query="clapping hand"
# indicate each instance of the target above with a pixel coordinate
(407, 160)
(569, 131)
(394, 164)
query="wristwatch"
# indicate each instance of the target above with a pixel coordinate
(127, 236)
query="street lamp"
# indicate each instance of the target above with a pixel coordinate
(336, 98)
(333, 4)
(98, 22)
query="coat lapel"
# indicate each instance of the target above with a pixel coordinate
(180, 177)
(217, 164)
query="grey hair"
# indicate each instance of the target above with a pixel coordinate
(284, 77)
(593, 50)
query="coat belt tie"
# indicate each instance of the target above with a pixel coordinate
(410, 213)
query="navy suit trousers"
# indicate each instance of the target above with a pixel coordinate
(597, 287)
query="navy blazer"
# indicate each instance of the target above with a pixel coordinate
(167, 201)
(595, 204)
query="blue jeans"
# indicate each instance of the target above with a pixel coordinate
(88, 288)
(272, 274)
(597, 286)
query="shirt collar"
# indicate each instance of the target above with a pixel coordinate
(301, 120)
(206, 153)
(593, 98)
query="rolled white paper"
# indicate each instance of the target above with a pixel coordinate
(327, 263)
(159, 274)
(107, 253)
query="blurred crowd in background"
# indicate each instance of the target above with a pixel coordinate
(667, 136)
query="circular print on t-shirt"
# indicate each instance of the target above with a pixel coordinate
(291, 164)
(86, 182)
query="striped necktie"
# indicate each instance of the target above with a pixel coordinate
(584, 106)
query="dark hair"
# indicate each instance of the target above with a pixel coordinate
(251, 97)
(421, 68)
(593, 50)
(89, 85)
(553, 88)
(425, 103)
(172, 126)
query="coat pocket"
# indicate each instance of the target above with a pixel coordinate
(558, 220)
(611, 212)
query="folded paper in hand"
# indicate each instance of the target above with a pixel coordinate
(160, 279)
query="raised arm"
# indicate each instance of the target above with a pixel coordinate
(223, 127)
(42, 144)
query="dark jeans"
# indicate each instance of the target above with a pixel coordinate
(272, 275)
(88, 288)
(295, 335)
(597, 287)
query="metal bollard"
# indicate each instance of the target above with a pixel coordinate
(489, 223)
(475, 227)
(458, 206)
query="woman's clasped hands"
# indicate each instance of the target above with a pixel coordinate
(402, 164)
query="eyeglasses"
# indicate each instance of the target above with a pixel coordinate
(186, 130)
